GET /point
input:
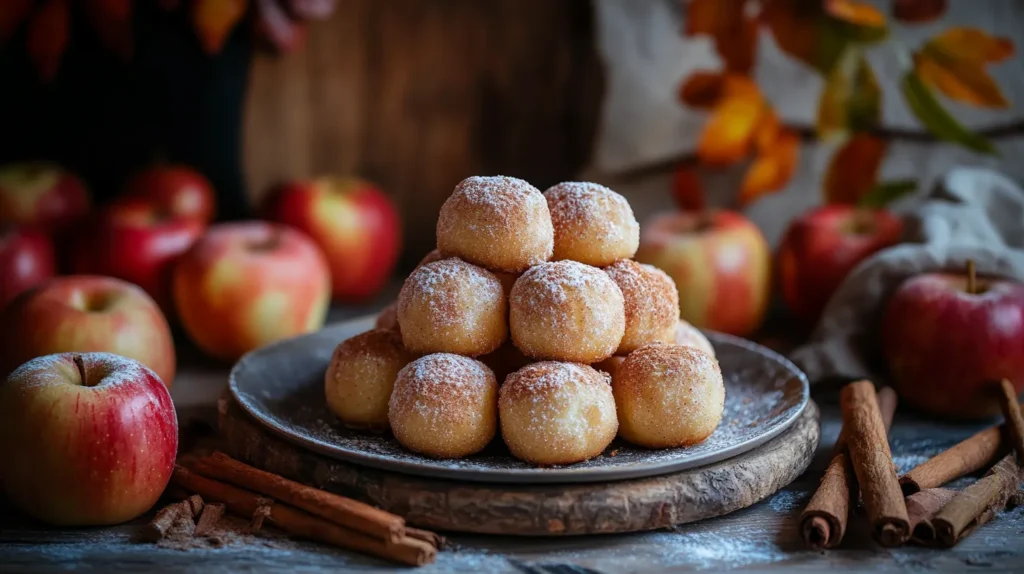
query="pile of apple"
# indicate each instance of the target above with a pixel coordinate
(88, 297)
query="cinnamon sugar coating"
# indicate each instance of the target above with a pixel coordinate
(361, 375)
(501, 223)
(452, 306)
(388, 318)
(687, 334)
(668, 396)
(651, 304)
(557, 413)
(566, 311)
(592, 224)
(444, 406)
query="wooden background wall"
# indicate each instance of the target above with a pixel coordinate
(418, 95)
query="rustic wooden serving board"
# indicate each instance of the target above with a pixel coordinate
(539, 509)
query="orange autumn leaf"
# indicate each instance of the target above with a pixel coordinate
(855, 12)
(732, 27)
(954, 63)
(918, 11)
(729, 132)
(773, 168)
(853, 170)
(12, 15)
(704, 89)
(768, 130)
(795, 26)
(48, 36)
(687, 189)
(112, 20)
(214, 20)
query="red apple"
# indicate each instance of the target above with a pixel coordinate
(946, 343)
(175, 190)
(720, 262)
(244, 285)
(26, 260)
(352, 221)
(87, 439)
(42, 195)
(139, 241)
(822, 246)
(83, 314)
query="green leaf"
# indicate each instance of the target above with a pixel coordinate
(851, 100)
(866, 99)
(938, 121)
(884, 193)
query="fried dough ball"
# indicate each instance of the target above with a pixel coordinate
(593, 224)
(360, 377)
(434, 255)
(450, 306)
(444, 406)
(501, 223)
(687, 334)
(668, 396)
(388, 318)
(651, 304)
(505, 361)
(557, 413)
(566, 311)
(611, 365)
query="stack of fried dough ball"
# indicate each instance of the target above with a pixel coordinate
(531, 319)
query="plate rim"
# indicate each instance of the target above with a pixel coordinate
(533, 475)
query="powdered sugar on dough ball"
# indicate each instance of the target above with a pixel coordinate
(566, 311)
(361, 375)
(652, 304)
(444, 406)
(501, 223)
(668, 396)
(557, 413)
(454, 307)
(593, 224)
(687, 334)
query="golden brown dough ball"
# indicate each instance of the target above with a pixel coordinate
(557, 413)
(444, 406)
(611, 365)
(361, 375)
(593, 224)
(506, 360)
(566, 311)
(651, 303)
(687, 334)
(387, 319)
(668, 396)
(450, 306)
(432, 256)
(501, 223)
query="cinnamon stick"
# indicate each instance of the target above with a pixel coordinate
(261, 513)
(169, 515)
(299, 523)
(823, 521)
(872, 464)
(338, 509)
(432, 538)
(921, 508)
(980, 450)
(1014, 420)
(978, 503)
(208, 519)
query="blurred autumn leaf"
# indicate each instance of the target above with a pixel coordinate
(773, 167)
(954, 63)
(851, 100)
(112, 21)
(882, 194)
(729, 132)
(701, 89)
(853, 170)
(48, 34)
(732, 27)
(918, 11)
(214, 20)
(686, 188)
(854, 12)
(12, 15)
(938, 121)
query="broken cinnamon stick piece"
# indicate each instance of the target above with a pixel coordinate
(823, 521)
(208, 519)
(1014, 420)
(339, 509)
(262, 511)
(921, 508)
(168, 515)
(978, 503)
(432, 538)
(872, 464)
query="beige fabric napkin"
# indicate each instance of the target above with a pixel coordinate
(974, 213)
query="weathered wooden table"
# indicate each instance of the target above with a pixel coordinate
(761, 538)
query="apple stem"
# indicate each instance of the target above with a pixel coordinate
(81, 368)
(972, 279)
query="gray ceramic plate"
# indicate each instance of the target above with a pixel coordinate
(281, 386)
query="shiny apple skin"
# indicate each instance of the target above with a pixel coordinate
(26, 260)
(42, 195)
(177, 189)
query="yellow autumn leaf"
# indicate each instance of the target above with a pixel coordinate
(729, 132)
(773, 167)
(853, 12)
(954, 63)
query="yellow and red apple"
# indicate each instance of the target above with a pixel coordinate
(720, 262)
(354, 223)
(26, 260)
(822, 246)
(42, 195)
(86, 439)
(176, 190)
(948, 342)
(244, 285)
(80, 313)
